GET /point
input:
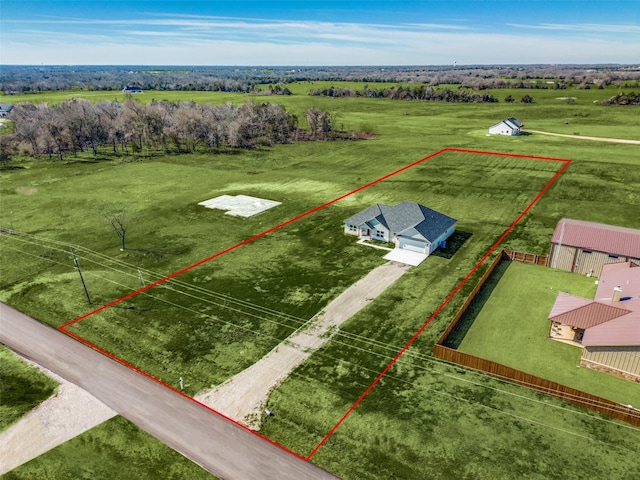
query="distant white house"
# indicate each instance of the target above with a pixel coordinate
(409, 225)
(5, 109)
(508, 126)
(130, 89)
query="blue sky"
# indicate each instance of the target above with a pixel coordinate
(238, 32)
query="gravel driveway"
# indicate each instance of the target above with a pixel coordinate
(243, 397)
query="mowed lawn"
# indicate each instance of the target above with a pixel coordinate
(224, 315)
(512, 328)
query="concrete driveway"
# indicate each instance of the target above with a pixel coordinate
(405, 256)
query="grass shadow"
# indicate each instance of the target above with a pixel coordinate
(454, 243)
(468, 317)
(10, 167)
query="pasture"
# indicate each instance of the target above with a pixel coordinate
(425, 418)
(223, 316)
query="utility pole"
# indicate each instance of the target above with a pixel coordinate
(77, 264)
(140, 276)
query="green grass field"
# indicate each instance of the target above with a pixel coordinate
(22, 387)
(114, 449)
(425, 419)
(512, 328)
(173, 331)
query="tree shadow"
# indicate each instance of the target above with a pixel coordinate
(160, 252)
(469, 316)
(454, 243)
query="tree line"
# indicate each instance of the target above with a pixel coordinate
(77, 125)
(26, 79)
(409, 92)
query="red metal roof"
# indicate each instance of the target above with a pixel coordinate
(623, 330)
(598, 237)
(565, 302)
(590, 315)
(606, 323)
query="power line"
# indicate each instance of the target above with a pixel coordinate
(393, 348)
(366, 340)
(353, 337)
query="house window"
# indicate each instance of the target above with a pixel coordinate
(613, 256)
(587, 251)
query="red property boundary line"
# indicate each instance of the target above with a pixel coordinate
(65, 326)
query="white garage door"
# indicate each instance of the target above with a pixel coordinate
(412, 245)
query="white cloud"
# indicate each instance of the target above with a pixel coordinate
(582, 27)
(196, 40)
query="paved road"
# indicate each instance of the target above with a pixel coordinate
(218, 445)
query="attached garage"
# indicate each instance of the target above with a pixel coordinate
(412, 245)
(412, 227)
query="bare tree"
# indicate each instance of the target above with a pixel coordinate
(120, 219)
(319, 123)
(25, 117)
(109, 112)
(78, 125)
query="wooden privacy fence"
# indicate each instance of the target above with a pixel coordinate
(602, 405)
(525, 257)
(625, 413)
(498, 260)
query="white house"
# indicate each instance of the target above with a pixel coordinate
(5, 109)
(409, 225)
(129, 90)
(509, 126)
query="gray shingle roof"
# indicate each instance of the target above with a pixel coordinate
(511, 122)
(406, 215)
(514, 121)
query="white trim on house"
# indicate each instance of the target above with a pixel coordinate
(409, 225)
(508, 126)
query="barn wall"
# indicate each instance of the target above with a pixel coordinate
(592, 262)
(562, 257)
(623, 359)
(579, 260)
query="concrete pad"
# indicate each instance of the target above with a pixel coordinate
(240, 205)
(406, 256)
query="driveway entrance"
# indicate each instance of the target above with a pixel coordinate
(406, 256)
